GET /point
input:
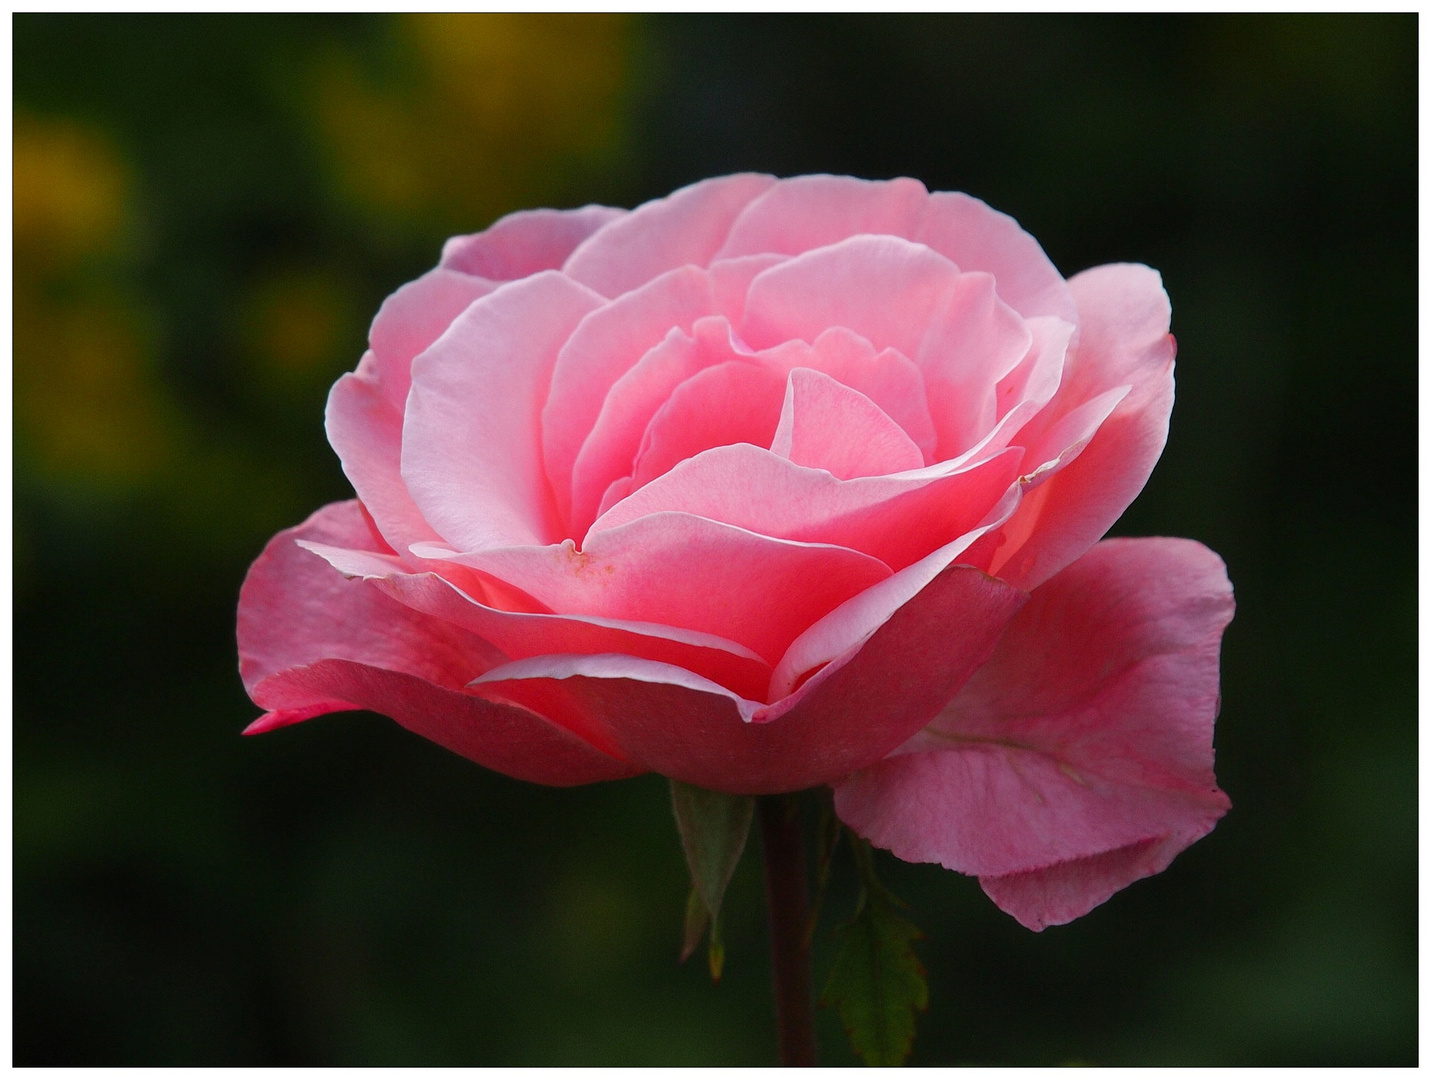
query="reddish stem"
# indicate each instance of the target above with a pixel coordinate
(787, 892)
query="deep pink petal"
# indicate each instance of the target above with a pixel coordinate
(826, 425)
(885, 289)
(808, 212)
(1124, 341)
(685, 571)
(1065, 891)
(686, 227)
(730, 403)
(896, 519)
(846, 627)
(471, 452)
(605, 346)
(413, 318)
(1089, 732)
(676, 724)
(526, 242)
(977, 237)
(523, 634)
(311, 642)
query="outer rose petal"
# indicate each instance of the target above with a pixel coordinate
(1124, 341)
(522, 634)
(1080, 757)
(687, 226)
(526, 242)
(855, 710)
(311, 642)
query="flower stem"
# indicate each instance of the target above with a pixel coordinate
(788, 895)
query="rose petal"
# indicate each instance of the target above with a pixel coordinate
(885, 289)
(686, 571)
(853, 621)
(1124, 342)
(686, 227)
(686, 728)
(609, 452)
(605, 345)
(725, 405)
(887, 378)
(413, 318)
(1089, 732)
(896, 519)
(977, 237)
(826, 425)
(311, 642)
(808, 212)
(1066, 891)
(522, 634)
(526, 242)
(805, 212)
(972, 342)
(471, 452)
(365, 430)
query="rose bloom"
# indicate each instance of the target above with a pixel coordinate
(765, 485)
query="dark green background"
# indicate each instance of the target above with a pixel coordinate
(344, 893)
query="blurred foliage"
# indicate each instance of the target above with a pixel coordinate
(207, 211)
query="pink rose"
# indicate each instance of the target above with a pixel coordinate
(765, 485)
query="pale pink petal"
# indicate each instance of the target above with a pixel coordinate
(676, 724)
(605, 345)
(885, 289)
(523, 634)
(730, 281)
(896, 519)
(731, 403)
(609, 453)
(413, 318)
(526, 242)
(808, 212)
(826, 425)
(471, 452)
(1124, 341)
(686, 227)
(685, 571)
(365, 430)
(971, 343)
(888, 379)
(977, 237)
(311, 642)
(1089, 732)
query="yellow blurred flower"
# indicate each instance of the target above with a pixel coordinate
(88, 406)
(500, 111)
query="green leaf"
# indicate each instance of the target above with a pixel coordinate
(877, 982)
(713, 828)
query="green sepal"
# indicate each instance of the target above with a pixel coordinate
(714, 828)
(877, 982)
